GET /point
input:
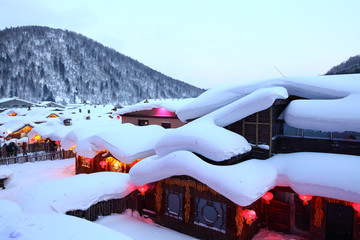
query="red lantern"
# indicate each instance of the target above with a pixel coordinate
(249, 215)
(118, 117)
(305, 198)
(143, 189)
(57, 142)
(267, 197)
(89, 160)
(356, 207)
(102, 163)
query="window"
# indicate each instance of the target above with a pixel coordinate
(15, 106)
(316, 134)
(174, 204)
(352, 136)
(210, 214)
(24, 106)
(143, 122)
(256, 128)
(291, 131)
(166, 124)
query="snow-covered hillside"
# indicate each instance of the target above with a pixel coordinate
(40, 63)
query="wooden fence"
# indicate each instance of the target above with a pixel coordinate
(37, 156)
(105, 208)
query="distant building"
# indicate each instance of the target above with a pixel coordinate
(50, 104)
(15, 103)
(153, 112)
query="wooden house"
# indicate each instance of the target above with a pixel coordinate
(299, 177)
(180, 201)
(15, 103)
(102, 162)
(153, 112)
(19, 132)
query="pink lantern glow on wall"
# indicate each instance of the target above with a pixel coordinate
(162, 112)
(102, 163)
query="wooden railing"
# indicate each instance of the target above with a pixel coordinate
(37, 156)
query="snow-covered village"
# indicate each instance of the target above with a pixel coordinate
(164, 120)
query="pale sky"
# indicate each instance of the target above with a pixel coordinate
(208, 43)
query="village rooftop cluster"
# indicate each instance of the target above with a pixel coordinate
(280, 154)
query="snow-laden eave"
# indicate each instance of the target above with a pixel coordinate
(241, 183)
(317, 87)
(126, 142)
(169, 104)
(336, 115)
(319, 174)
(93, 145)
(85, 191)
(206, 135)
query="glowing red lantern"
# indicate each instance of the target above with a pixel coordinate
(268, 197)
(102, 163)
(57, 142)
(249, 215)
(118, 117)
(305, 198)
(89, 160)
(356, 207)
(143, 189)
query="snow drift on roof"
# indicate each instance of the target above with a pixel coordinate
(126, 142)
(169, 104)
(85, 190)
(339, 114)
(321, 174)
(206, 136)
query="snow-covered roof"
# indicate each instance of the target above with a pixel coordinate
(126, 142)
(169, 104)
(57, 196)
(330, 107)
(14, 125)
(4, 100)
(321, 174)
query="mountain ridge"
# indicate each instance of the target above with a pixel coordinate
(43, 63)
(350, 66)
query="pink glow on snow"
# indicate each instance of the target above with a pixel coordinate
(164, 113)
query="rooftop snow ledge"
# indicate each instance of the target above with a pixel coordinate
(242, 183)
(337, 115)
(75, 193)
(205, 138)
(319, 174)
(316, 87)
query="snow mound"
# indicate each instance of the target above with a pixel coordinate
(73, 193)
(321, 174)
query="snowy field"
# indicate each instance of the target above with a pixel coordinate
(21, 220)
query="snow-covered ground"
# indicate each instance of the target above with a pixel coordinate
(19, 221)
(26, 215)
